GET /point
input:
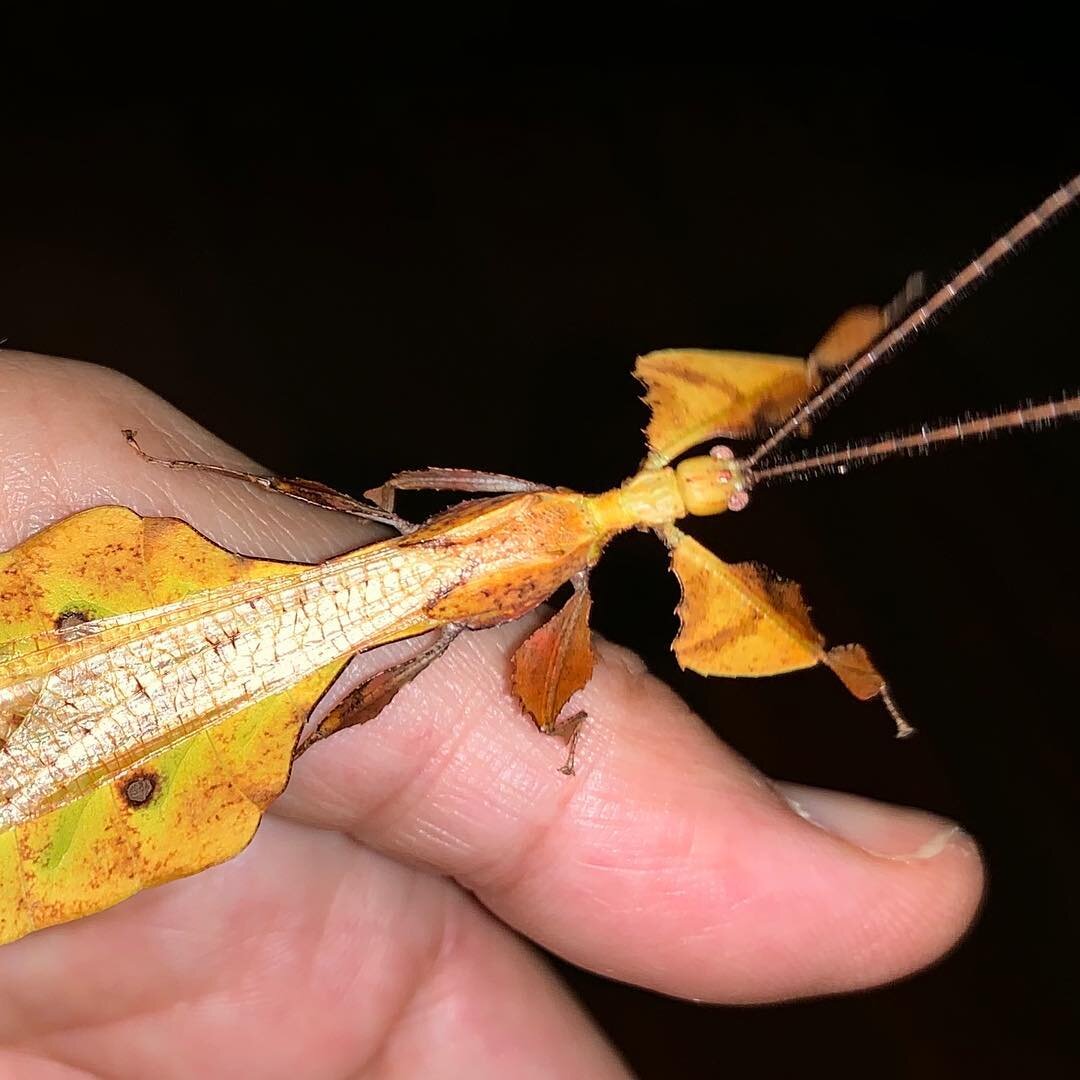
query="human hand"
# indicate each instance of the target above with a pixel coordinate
(363, 929)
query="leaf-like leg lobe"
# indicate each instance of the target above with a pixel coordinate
(740, 619)
(857, 329)
(553, 663)
(371, 697)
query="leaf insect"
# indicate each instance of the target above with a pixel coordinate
(154, 687)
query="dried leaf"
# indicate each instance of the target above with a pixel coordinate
(854, 668)
(851, 334)
(738, 619)
(741, 619)
(554, 661)
(153, 813)
(696, 394)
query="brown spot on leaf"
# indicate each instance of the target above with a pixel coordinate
(71, 618)
(139, 789)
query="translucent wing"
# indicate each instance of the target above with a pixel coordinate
(191, 806)
(191, 803)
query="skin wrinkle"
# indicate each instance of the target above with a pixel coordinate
(437, 955)
(72, 1033)
(268, 524)
(250, 528)
(411, 798)
(509, 870)
(246, 935)
(405, 804)
(339, 898)
(522, 868)
(516, 868)
(19, 1064)
(146, 1006)
(400, 913)
(448, 1003)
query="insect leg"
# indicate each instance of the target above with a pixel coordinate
(436, 479)
(740, 619)
(911, 294)
(569, 728)
(308, 491)
(371, 697)
(554, 662)
(856, 330)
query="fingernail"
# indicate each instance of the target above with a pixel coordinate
(891, 832)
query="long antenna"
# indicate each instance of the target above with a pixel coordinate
(974, 272)
(974, 427)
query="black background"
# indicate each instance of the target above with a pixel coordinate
(355, 262)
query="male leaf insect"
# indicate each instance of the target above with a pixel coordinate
(154, 687)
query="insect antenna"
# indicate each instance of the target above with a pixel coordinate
(978, 427)
(903, 331)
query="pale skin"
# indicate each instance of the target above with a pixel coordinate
(362, 932)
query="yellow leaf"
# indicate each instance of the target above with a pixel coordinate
(738, 619)
(741, 619)
(554, 661)
(696, 394)
(125, 824)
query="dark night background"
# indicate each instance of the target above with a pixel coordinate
(454, 257)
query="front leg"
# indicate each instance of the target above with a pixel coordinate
(740, 619)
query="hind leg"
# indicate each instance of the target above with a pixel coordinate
(436, 479)
(308, 491)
